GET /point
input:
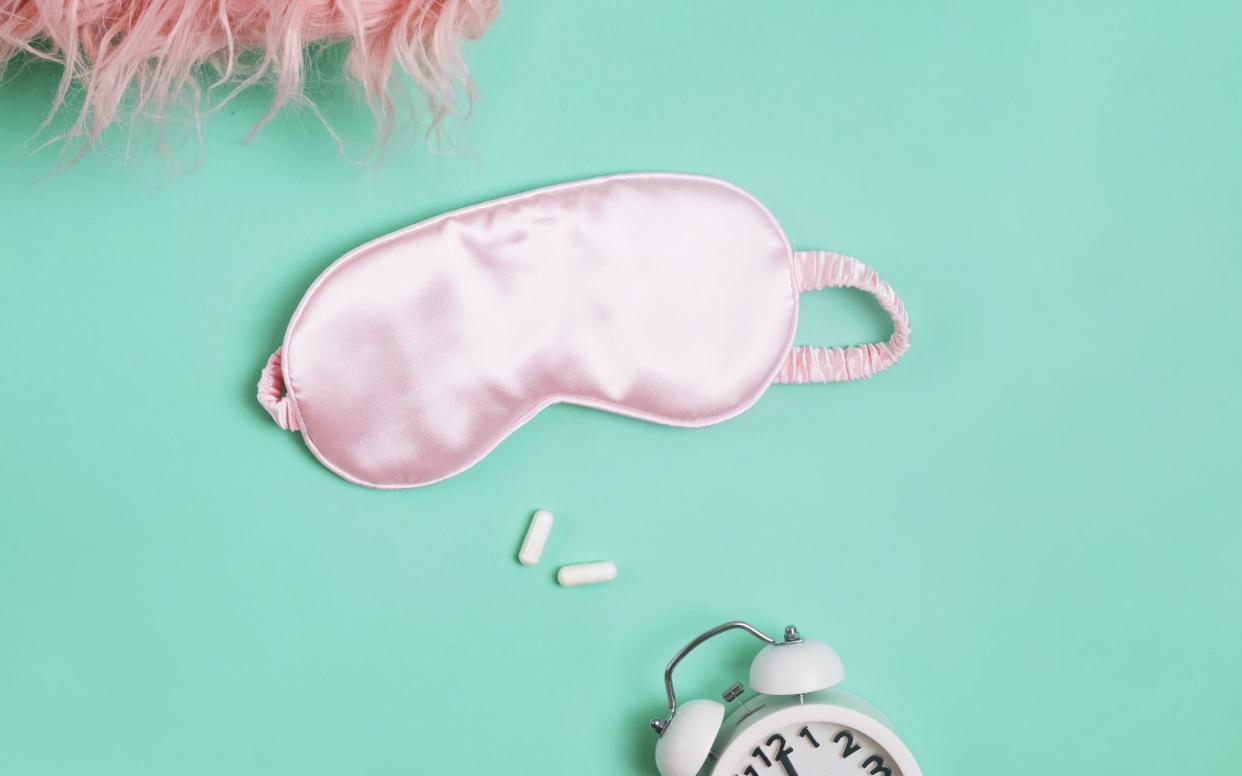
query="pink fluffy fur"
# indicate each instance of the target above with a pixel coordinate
(141, 56)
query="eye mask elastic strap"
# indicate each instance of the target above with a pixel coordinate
(272, 394)
(814, 270)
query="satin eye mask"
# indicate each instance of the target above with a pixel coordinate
(670, 298)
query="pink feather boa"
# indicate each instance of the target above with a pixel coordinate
(142, 56)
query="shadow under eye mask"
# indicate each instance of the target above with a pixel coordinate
(670, 298)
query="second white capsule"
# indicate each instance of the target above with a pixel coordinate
(586, 574)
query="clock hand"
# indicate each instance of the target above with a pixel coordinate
(783, 759)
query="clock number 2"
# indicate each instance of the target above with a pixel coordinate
(879, 765)
(850, 746)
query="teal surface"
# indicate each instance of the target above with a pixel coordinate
(1023, 539)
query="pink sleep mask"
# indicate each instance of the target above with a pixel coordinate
(670, 298)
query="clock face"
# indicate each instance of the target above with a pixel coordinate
(815, 749)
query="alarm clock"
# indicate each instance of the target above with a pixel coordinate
(798, 724)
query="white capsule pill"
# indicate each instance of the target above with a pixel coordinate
(586, 574)
(536, 538)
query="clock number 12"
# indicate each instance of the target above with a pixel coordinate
(780, 751)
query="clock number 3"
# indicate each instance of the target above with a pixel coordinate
(879, 765)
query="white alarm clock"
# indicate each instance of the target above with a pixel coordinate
(797, 725)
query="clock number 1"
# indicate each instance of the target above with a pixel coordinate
(806, 733)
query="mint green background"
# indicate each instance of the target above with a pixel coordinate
(1023, 540)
